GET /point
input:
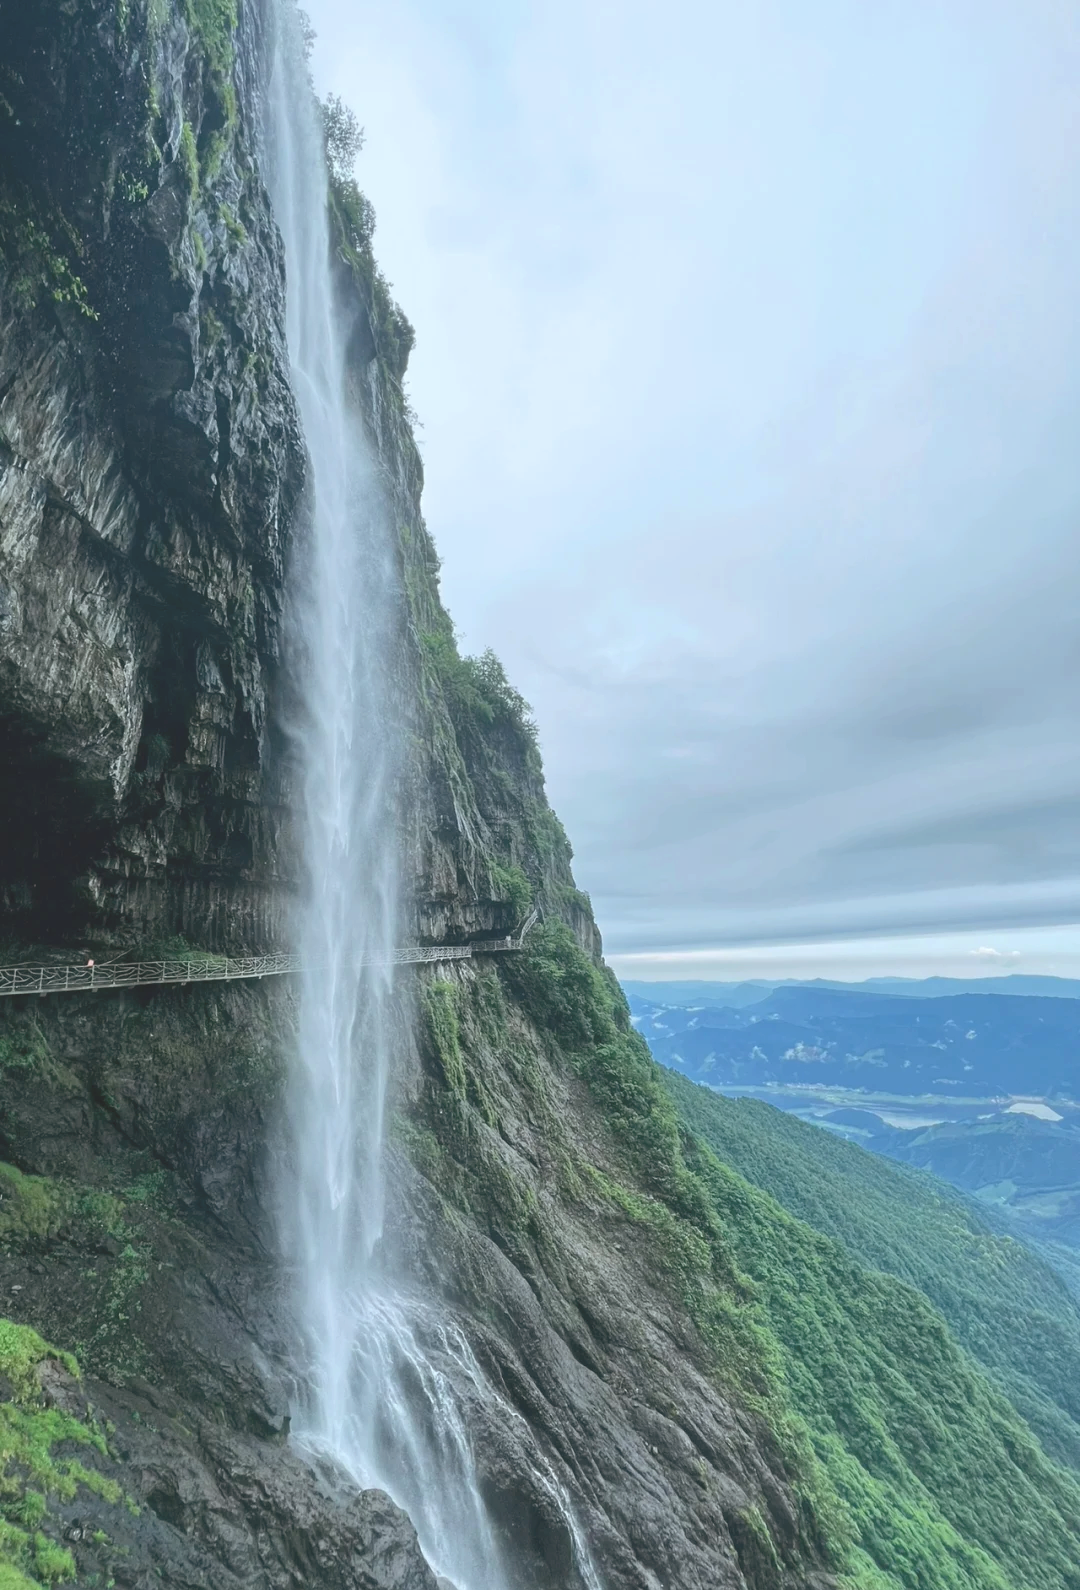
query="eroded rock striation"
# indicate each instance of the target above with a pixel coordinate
(152, 464)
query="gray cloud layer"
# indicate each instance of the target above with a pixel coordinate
(749, 363)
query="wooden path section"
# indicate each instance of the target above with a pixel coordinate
(220, 968)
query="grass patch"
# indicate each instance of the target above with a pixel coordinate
(36, 1210)
(213, 22)
(31, 1207)
(440, 1008)
(39, 1462)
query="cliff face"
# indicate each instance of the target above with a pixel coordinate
(542, 1190)
(151, 465)
(151, 493)
(152, 472)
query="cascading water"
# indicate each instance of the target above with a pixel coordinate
(379, 1400)
(389, 1378)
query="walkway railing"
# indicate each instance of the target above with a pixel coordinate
(219, 968)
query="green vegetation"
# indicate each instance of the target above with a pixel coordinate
(1006, 1307)
(510, 884)
(135, 190)
(481, 731)
(38, 1462)
(455, 1140)
(235, 230)
(37, 1209)
(548, 839)
(23, 1045)
(176, 948)
(476, 690)
(42, 254)
(213, 23)
(446, 1007)
(213, 26)
(916, 1469)
(344, 138)
(941, 1482)
(353, 217)
(30, 1206)
(440, 1007)
(584, 1007)
(574, 899)
(188, 156)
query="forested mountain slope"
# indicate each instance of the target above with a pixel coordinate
(1007, 1307)
(955, 1047)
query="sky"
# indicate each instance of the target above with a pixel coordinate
(748, 365)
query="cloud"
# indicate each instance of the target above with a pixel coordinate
(1044, 951)
(750, 379)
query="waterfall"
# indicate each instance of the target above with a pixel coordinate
(379, 1398)
(389, 1377)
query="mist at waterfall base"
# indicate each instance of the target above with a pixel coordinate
(390, 1377)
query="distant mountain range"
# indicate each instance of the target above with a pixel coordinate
(749, 992)
(1021, 1164)
(977, 1085)
(955, 1046)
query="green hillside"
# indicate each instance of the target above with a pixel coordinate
(922, 1473)
(1004, 1304)
(940, 1482)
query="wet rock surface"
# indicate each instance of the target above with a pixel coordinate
(137, 1230)
(150, 469)
(600, 1388)
(205, 1507)
(139, 1234)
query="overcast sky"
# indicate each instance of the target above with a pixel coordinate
(749, 368)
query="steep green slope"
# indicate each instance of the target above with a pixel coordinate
(1020, 1165)
(942, 1483)
(42, 1447)
(921, 1472)
(1003, 1303)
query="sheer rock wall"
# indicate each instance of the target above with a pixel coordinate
(151, 498)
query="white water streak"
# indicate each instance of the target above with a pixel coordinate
(378, 1403)
(389, 1377)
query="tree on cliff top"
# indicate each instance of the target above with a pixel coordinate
(344, 137)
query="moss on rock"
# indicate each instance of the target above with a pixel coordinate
(31, 1207)
(39, 1468)
(440, 1005)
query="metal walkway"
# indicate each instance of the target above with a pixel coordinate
(220, 968)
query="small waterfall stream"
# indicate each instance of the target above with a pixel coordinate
(383, 1397)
